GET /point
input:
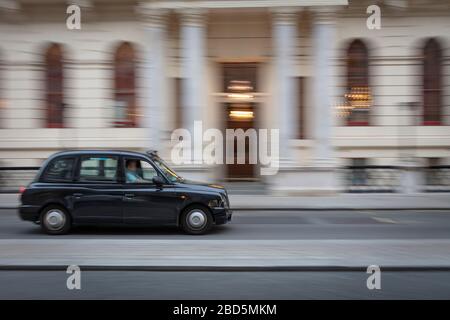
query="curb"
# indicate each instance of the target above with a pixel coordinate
(224, 268)
(339, 209)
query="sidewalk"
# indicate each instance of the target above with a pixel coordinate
(354, 201)
(9, 200)
(344, 201)
(111, 254)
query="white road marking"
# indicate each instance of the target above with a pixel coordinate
(384, 220)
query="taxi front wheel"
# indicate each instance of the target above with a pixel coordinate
(196, 220)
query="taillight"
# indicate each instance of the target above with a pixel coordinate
(22, 190)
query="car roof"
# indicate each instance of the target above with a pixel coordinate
(99, 152)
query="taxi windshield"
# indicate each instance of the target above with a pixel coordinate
(169, 172)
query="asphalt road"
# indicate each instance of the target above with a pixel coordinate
(254, 225)
(223, 285)
(266, 225)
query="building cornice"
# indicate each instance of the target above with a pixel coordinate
(285, 16)
(151, 17)
(230, 4)
(193, 17)
(11, 11)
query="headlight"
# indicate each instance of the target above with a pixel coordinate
(217, 203)
(225, 201)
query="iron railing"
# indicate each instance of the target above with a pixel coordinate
(12, 178)
(372, 178)
(363, 179)
(437, 179)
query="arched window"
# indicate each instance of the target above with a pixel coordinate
(432, 82)
(125, 90)
(358, 97)
(2, 102)
(54, 79)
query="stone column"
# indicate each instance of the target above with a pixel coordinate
(321, 177)
(285, 97)
(323, 86)
(193, 37)
(154, 22)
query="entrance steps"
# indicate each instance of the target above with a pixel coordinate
(245, 187)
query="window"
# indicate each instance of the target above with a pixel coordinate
(99, 169)
(301, 108)
(432, 82)
(240, 77)
(139, 171)
(2, 102)
(54, 81)
(60, 169)
(358, 97)
(178, 107)
(125, 95)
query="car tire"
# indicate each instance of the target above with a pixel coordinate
(55, 220)
(196, 220)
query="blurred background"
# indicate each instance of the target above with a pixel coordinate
(360, 107)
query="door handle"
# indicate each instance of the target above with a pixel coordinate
(129, 195)
(77, 195)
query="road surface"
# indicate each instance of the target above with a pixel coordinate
(223, 285)
(353, 226)
(266, 225)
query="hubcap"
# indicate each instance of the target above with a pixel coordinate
(54, 219)
(197, 219)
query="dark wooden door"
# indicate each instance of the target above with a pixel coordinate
(245, 120)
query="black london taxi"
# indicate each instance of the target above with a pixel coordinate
(95, 187)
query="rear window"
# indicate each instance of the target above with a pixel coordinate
(98, 168)
(60, 170)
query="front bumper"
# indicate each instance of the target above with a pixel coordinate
(221, 215)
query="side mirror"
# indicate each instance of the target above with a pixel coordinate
(157, 180)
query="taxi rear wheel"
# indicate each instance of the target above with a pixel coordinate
(196, 220)
(55, 220)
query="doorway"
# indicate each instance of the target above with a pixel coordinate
(240, 107)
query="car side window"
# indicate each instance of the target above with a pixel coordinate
(98, 169)
(60, 170)
(139, 171)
